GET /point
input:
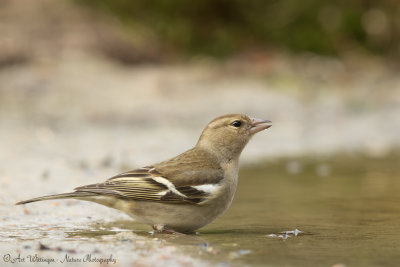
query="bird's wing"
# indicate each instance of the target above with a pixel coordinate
(148, 184)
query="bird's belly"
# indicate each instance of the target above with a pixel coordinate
(181, 218)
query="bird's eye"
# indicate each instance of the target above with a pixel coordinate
(236, 124)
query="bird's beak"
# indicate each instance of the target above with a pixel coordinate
(258, 125)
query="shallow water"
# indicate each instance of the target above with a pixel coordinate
(347, 209)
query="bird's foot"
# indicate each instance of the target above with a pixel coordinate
(160, 228)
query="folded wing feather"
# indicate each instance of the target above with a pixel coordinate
(146, 184)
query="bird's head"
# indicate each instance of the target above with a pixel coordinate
(226, 136)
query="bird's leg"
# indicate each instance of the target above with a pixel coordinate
(160, 228)
(170, 231)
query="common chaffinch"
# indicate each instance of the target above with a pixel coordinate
(183, 193)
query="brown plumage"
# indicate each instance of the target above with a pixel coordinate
(183, 193)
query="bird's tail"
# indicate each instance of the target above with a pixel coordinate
(58, 196)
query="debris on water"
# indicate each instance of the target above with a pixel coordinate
(295, 232)
(280, 236)
(286, 234)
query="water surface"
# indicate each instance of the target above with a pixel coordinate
(347, 207)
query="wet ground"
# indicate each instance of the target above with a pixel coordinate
(347, 209)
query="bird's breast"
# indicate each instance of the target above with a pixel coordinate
(228, 184)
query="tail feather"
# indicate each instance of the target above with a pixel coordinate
(58, 196)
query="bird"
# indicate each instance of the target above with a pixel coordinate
(186, 192)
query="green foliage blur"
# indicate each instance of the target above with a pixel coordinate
(221, 28)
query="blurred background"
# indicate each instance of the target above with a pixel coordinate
(123, 84)
(143, 78)
(90, 88)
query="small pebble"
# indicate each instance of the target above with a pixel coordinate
(43, 247)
